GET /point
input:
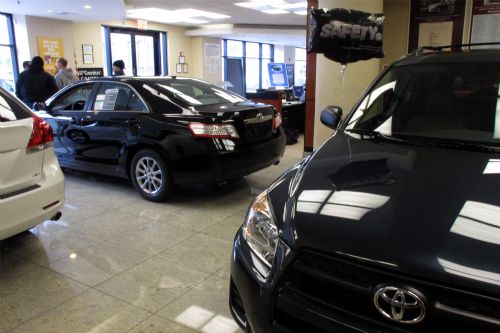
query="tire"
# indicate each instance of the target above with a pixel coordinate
(150, 176)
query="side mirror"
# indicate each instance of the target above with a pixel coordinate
(331, 116)
(39, 106)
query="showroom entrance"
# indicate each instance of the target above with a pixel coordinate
(141, 51)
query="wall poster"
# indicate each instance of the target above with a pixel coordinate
(436, 22)
(50, 49)
(485, 27)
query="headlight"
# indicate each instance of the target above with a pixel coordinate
(260, 231)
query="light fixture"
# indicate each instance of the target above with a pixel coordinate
(275, 11)
(255, 4)
(50, 11)
(290, 5)
(87, 7)
(188, 15)
(301, 12)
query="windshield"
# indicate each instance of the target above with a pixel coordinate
(448, 102)
(192, 92)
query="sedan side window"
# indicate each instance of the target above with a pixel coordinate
(75, 100)
(10, 110)
(117, 97)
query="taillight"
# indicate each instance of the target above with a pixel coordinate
(41, 136)
(277, 120)
(219, 131)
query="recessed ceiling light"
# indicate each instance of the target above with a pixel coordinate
(275, 11)
(87, 7)
(188, 15)
(290, 5)
(301, 12)
(259, 3)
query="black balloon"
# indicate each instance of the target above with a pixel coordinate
(345, 35)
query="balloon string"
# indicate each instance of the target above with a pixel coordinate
(342, 72)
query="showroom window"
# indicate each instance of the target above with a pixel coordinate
(300, 66)
(8, 62)
(245, 65)
(144, 52)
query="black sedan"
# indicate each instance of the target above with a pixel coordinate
(162, 131)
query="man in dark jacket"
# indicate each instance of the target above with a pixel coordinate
(118, 67)
(34, 84)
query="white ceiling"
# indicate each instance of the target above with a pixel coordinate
(71, 10)
(283, 29)
(238, 15)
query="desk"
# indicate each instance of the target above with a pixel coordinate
(294, 115)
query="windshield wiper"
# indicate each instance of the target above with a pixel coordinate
(473, 146)
(372, 134)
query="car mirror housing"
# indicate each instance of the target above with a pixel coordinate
(331, 116)
(39, 106)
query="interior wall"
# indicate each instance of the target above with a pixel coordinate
(42, 27)
(177, 42)
(397, 16)
(331, 87)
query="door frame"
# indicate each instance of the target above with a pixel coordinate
(160, 47)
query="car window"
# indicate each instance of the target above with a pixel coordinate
(74, 100)
(440, 101)
(117, 97)
(191, 92)
(11, 109)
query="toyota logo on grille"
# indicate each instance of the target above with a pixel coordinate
(399, 304)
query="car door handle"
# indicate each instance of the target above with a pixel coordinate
(135, 124)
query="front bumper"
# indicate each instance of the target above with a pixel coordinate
(265, 305)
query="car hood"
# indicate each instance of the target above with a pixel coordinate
(427, 211)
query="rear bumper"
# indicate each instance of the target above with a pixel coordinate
(27, 209)
(206, 165)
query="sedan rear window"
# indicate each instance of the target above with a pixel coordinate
(11, 109)
(191, 92)
(459, 102)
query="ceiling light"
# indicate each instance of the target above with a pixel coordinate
(275, 11)
(301, 12)
(50, 11)
(290, 5)
(259, 3)
(250, 4)
(189, 12)
(189, 15)
(87, 7)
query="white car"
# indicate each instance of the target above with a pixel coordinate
(31, 181)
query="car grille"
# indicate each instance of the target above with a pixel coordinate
(326, 294)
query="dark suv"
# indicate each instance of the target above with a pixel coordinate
(393, 225)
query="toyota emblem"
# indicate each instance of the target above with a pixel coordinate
(400, 305)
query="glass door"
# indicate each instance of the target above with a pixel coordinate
(145, 51)
(139, 50)
(121, 48)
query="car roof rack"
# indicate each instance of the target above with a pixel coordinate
(440, 48)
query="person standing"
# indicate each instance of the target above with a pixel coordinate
(26, 64)
(35, 84)
(118, 67)
(64, 76)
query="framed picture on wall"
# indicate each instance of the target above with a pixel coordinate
(182, 59)
(88, 59)
(87, 49)
(178, 68)
(184, 68)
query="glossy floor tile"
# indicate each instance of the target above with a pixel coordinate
(118, 263)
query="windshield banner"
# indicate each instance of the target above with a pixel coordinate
(345, 35)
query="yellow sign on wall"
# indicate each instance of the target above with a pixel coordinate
(50, 49)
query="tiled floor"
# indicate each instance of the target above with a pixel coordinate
(117, 263)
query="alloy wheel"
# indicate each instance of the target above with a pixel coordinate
(149, 175)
